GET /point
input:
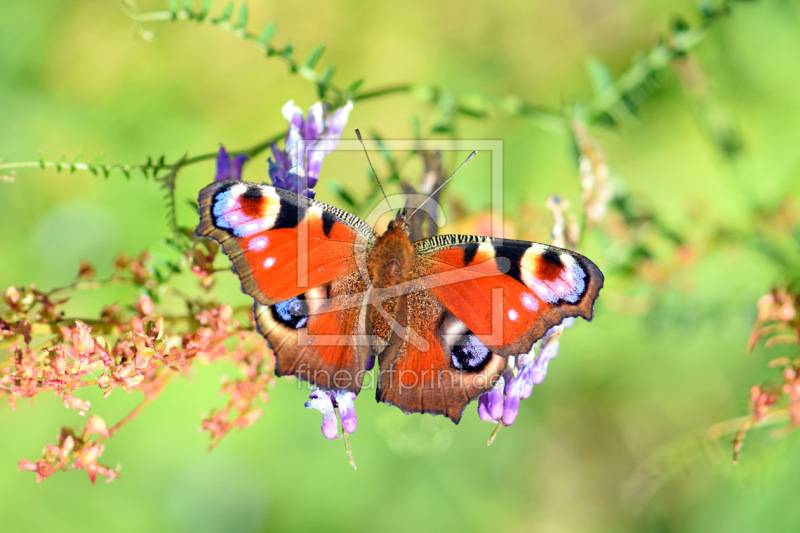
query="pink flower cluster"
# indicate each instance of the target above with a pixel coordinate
(778, 322)
(134, 349)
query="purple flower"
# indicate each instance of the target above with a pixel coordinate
(322, 402)
(502, 402)
(327, 402)
(227, 169)
(347, 410)
(308, 141)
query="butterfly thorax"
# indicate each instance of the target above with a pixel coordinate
(392, 257)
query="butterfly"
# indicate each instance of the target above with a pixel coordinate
(441, 315)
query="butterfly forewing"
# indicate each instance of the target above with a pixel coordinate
(509, 293)
(281, 244)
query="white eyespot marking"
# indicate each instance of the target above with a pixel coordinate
(259, 243)
(559, 287)
(529, 301)
(238, 189)
(543, 291)
(486, 251)
(234, 217)
(528, 265)
(314, 212)
(513, 315)
(470, 354)
(292, 313)
(251, 228)
(269, 262)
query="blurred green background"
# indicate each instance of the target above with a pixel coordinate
(614, 440)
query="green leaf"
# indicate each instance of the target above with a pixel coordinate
(470, 112)
(679, 25)
(286, 53)
(267, 34)
(313, 57)
(415, 127)
(241, 19)
(173, 7)
(599, 75)
(342, 194)
(204, 9)
(325, 81)
(355, 86)
(226, 13)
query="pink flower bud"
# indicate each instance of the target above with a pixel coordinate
(73, 402)
(11, 298)
(82, 339)
(96, 426)
(144, 306)
(24, 464)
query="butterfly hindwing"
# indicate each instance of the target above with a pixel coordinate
(509, 293)
(281, 244)
(433, 364)
(320, 336)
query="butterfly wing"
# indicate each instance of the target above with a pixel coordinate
(509, 293)
(281, 244)
(475, 301)
(432, 363)
(301, 261)
(319, 336)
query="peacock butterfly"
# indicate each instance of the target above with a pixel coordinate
(441, 315)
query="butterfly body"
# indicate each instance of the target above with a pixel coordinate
(441, 314)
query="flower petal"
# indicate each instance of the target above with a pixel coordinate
(238, 162)
(320, 401)
(347, 410)
(490, 404)
(223, 164)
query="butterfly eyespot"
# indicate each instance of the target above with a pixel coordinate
(470, 354)
(292, 313)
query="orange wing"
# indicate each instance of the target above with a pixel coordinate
(433, 363)
(302, 261)
(281, 244)
(508, 293)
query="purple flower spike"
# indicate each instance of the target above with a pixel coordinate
(539, 370)
(227, 169)
(308, 141)
(517, 388)
(490, 404)
(322, 402)
(347, 410)
(523, 372)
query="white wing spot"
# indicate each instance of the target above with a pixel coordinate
(529, 301)
(268, 262)
(258, 243)
(513, 315)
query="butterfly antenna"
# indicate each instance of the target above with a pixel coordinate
(358, 134)
(431, 195)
